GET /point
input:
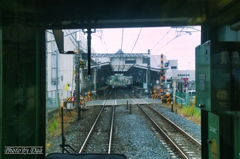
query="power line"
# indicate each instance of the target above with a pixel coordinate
(178, 35)
(167, 43)
(161, 38)
(71, 35)
(73, 39)
(137, 39)
(104, 42)
(100, 35)
(122, 37)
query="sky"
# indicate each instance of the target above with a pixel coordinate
(175, 43)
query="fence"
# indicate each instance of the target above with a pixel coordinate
(183, 98)
(53, 99)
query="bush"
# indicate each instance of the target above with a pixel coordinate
(52, 127)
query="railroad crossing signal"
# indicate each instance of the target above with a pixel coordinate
(82, 64)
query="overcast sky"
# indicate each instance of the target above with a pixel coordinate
(174, 43)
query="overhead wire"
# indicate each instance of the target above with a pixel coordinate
(74, 40)
(137, 39)
(167, 43)
(178, 35)
(101, 37)
(104, 43)
(161, 38)
(122, 38)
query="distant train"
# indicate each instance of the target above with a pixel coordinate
(119, 80)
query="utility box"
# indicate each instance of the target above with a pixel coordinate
(213, 77)
(220, 137)
(69, 105)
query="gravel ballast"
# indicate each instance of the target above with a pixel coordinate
(133, 135)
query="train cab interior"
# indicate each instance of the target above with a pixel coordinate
(23, 62)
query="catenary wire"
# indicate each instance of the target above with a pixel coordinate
(122, 38)
(161, 39)
(137, 39)
(103, 41)
(178, 35)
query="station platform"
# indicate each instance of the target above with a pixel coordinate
(123, 102)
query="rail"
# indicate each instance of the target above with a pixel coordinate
(94, 126)
(91, 131)
(167, 137)
(111, 129)
(177, 127)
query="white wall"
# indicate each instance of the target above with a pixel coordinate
(66, 64)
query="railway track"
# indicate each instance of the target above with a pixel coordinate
(99, 138)
(183, 145)
(179, 143)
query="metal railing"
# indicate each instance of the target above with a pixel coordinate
(183, 98)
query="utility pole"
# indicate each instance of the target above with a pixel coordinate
(95, 80)
(57, 93)
(77, 57)
(148, 74)
(162, 73)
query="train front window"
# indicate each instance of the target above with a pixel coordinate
(129, 68)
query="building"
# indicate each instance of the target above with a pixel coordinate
(60, 68)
